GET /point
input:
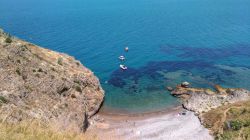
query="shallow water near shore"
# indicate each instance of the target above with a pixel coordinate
(204, 42)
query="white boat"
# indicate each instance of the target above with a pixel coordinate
(122, 57)
(123, 67)
(126, 49)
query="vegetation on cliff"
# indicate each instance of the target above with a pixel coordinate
(229, 122)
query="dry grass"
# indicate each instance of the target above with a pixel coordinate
(36, 131)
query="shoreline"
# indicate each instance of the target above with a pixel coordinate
(119, 112)
(157, 125)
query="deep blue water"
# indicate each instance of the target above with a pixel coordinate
(204, 42)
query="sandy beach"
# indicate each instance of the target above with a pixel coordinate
(162, 125)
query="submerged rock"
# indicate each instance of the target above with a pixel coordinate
(38, 83)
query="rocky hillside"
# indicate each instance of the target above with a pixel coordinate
(37, 83)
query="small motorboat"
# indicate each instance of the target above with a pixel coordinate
(123, 67)
(122, 57)
(126, 49)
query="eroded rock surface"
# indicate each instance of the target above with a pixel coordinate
(37, 83)
(201, 100)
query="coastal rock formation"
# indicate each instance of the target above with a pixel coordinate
(201, 100)
(37, 83)
(224, 111)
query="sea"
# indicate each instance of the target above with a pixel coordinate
(204, 42)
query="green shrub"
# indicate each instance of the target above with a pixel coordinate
(225, 136)
(8, 40)
(246, 123)
(53, 69)
(18, 61)
(40, 70)
(28, 88)
(3, 100)
(60, 61)
(236, 125)
(24, 77)
(18, 71)
(23, 48)
(78, 88)
(244, 111)
(77, 82)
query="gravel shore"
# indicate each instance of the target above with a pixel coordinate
(165, 125)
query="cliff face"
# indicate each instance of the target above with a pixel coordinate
(37, 83)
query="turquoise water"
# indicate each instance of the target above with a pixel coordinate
(204, 42)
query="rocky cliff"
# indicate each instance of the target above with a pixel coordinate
(37, 83)
(200, 100)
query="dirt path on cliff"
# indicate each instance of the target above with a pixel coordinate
(223, 119)
(219, 123)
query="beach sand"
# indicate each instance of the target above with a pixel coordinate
(161, 125)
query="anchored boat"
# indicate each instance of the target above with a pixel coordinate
(123, 67)
(122, 58)
(126, 49)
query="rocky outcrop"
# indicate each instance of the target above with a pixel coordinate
(200, 100)
(37, 83)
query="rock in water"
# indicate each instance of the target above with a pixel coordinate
(170, 89)
(185, 84)
(37, 83)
